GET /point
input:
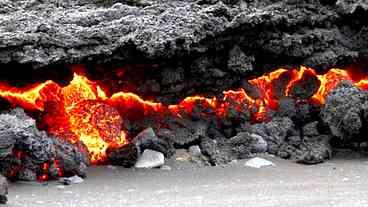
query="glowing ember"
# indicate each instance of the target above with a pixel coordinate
(328, 82)
(296, 76)
(75, 112)
(97, 125)
(265, 86)
(81, 111)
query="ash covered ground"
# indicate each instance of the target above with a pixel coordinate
(339, 182)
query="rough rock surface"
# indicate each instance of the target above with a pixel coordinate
(147, 139)
(25, 151)
(3, 189)
(315, 150)
(244, 145)
(346, 112)
(204, 43)
(46, 32)
(125, 156)
(274, 132)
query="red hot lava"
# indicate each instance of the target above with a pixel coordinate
(81, 111)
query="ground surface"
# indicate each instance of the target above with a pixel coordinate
(339, 182)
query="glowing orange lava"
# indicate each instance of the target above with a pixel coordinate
(81, 111)
(76, 112)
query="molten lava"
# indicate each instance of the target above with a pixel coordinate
(82, 112)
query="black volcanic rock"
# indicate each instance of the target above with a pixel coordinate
(25, 150)
(3, 189)
(185, 47)
(274, 132)
(345, 112)
(267, 32)
(125, 156)
(147, 139)
(315, 150)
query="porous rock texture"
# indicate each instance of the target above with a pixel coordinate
(25, 151)
(199, 42)
(346, 112)
(3, 189)
(46, 32)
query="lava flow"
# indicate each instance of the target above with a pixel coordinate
(82, 112)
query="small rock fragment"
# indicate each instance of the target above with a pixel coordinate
(125, 156)
(195, 150)
(150, 159)
(165, 167)
(258, 163)
(71, 180)
(147, 139)
(60, 187)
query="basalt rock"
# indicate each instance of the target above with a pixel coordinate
(125, 156)
(345, 112)
(187, 132)
(28, 153)
(218, 153)
(147, 139)
(202, 43)
(47, 32)
(3, 189)
(315, 150)
(274, 132)
(244, 145)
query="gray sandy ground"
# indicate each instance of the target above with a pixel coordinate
(339, 182)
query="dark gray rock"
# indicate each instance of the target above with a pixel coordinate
(218, 153)
(3, 189)
(147, 139)
(31, 149)
(311, 129)
(274, 132)
(317, 150)
(190, 44)
(244, 145)
(188, 132)
(239, 62)
(125, 156)
(6, 144)
(287, 107)
(344, 111)
(288, 151)
(44, 32)
(305, 88)
(73, 158)
(244, 34)
(26, 174)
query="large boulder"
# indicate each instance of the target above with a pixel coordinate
(346, 111)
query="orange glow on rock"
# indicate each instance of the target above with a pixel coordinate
(297, 75)
(82, 110)
(76, 112)
(328, 82)
(29, 98)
